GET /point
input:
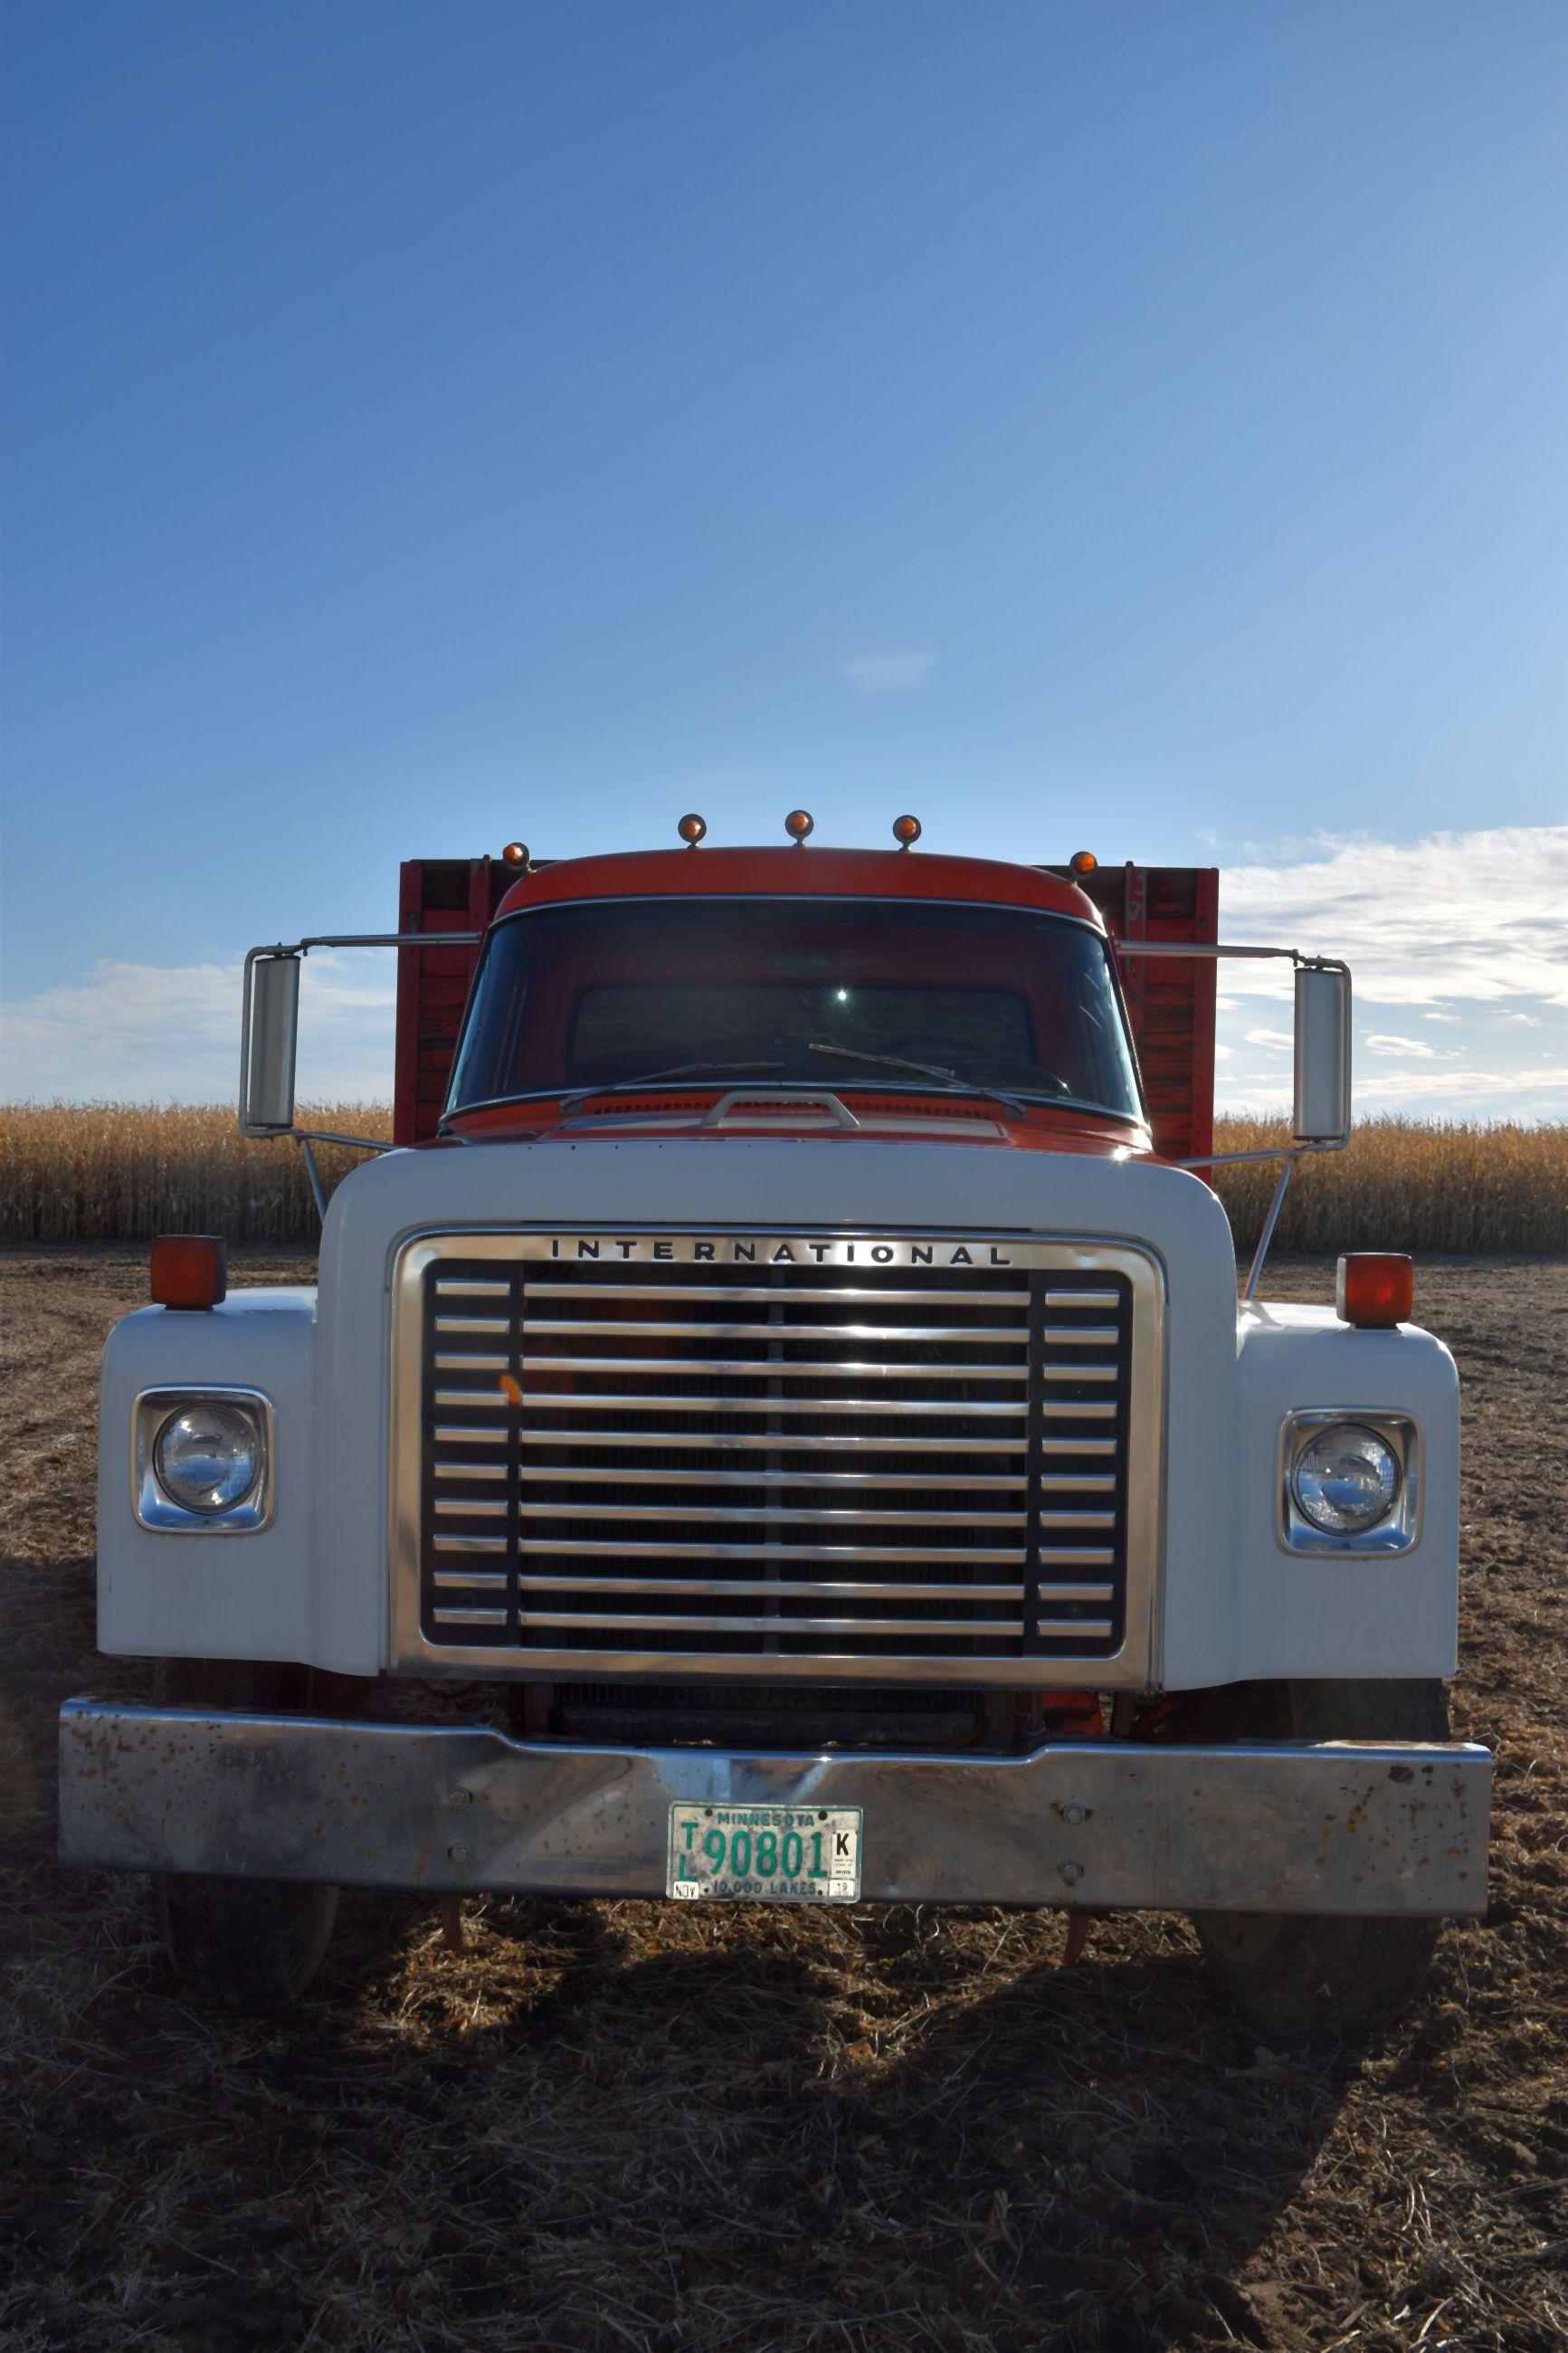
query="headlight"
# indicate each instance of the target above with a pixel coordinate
(207, 1457)
(1345, 1479)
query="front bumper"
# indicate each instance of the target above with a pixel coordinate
(1341, 1827)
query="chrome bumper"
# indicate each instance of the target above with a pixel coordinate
(1287, 1827)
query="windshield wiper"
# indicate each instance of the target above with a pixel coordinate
(951, 1083)
(675, 1070)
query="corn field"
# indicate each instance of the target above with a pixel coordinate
(1406, 1185)
(122, 1172)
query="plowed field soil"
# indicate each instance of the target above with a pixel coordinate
(634, 2125)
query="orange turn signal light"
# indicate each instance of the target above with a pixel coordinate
(1082, 862)
(1375, 1290)
(189, 1271)
(516, 853)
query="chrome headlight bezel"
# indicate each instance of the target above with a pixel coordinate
(1400, 1528)
(157, 1510)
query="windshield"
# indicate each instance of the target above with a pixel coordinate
(592, 994)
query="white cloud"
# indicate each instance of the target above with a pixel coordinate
(171, 1032)
(1279, 1040)
(887, 674)
(1416, 1046)
(1481, 916)
(1469, 931)
(1485, 1094)
(1459, 1087)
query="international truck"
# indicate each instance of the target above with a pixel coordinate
(778, 1425)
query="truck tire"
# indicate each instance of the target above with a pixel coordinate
(245, 1943)
(1320, 1974)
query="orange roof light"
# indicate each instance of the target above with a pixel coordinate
(691, 828)
(906, 831)
(1375, 1289)
(797, 825)
(516, 853)
(189, 1271)
(1081, 862)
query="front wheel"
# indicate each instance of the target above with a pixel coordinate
(247, 1943)
(1318, 1973)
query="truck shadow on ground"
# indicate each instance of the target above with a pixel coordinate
(922, 2125)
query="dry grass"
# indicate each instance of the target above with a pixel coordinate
(121, 1172)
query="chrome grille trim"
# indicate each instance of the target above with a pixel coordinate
(764, 1329)
(694, 1623)
(757, 1587)
(642, 1548)
(746, 1369)
(980, 1425)
(904, 1407)
(835, 1294)
(583, 1474)
(776, 1441)
(833, 1515)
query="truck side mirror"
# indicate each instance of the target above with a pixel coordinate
(268, 1033)
(1322, 1113)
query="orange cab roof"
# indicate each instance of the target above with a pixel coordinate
(781, 869)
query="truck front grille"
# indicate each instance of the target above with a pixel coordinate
(774, 1465)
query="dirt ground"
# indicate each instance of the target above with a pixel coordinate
(648, 2126)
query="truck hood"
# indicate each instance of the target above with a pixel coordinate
(617, 1175)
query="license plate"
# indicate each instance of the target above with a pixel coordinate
(764, 1854)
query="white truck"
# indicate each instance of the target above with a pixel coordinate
(787, 1431)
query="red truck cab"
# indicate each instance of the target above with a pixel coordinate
(733, 959)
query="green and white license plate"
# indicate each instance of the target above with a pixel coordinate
(764, 1854)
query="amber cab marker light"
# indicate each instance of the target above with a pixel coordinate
(189, 1271)
(1082, 862)
(797, 825)
(906, 831)
(1375, 1290)
(516, 853)
(691, 828)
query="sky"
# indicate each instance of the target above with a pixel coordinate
(1136, 426)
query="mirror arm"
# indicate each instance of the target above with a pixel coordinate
(1203, 948)
(380, 940)
(1265, 1152)
(314, 1175)
(330, 1136)
(1249, 1287)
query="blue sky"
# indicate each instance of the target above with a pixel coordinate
(1137, 425)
